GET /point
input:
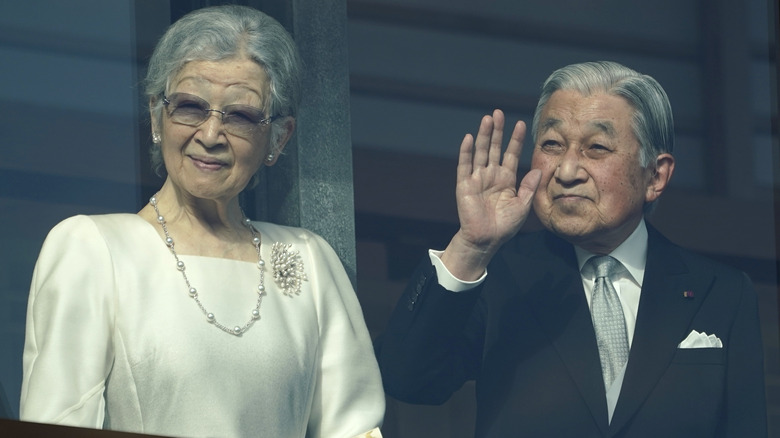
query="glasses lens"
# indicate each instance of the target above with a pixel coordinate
(187, 109)
(241, 119)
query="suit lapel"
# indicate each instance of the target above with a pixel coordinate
(562, 312)
(663, 319)
(576, 345)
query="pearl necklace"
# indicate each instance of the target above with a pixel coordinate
(237, 330)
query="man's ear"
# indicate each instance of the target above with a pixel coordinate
(288, 127)
(659, 179)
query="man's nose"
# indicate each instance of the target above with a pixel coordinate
(569, 168)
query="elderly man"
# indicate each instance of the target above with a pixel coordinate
(597, 326)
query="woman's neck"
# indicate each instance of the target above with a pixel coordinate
(202, 226)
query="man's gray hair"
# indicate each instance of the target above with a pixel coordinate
(652, 121)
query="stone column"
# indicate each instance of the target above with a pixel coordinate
(311, 184)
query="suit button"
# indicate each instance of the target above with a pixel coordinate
(417, 291)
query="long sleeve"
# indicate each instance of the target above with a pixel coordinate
(433, 342)
(67, 351)
(745, 400)
(348, 398)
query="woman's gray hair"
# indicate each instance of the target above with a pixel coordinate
(223, 32)
(652, 121)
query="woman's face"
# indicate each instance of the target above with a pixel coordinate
(206, 161)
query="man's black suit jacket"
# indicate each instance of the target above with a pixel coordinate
(527, 338)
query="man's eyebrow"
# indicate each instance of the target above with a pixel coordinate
(548, 124)
(604, 126)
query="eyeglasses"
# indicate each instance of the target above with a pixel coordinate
(191, 110)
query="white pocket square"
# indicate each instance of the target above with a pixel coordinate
(700, 340)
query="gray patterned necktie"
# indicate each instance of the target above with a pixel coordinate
(608, 319)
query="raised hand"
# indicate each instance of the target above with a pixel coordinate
(491, 207)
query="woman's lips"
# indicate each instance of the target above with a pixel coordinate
(207, 163)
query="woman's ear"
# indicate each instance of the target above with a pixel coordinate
(154, 120)
(282, 138)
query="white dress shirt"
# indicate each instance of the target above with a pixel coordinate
(632, 254)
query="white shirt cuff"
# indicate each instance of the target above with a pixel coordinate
(447, 280)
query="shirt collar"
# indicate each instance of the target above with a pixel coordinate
(632, 254)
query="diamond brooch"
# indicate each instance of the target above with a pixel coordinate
(287, 268)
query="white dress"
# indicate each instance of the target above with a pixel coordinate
(114, 340)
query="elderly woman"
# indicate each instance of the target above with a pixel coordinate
(188, 319)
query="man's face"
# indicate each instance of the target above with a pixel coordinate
(593, 189)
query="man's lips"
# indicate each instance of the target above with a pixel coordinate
(569, 196)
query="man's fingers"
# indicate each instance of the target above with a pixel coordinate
(528, 186)
(465, 158)
(496, 138)
(482, 142)
(515, 148)
(486, 147)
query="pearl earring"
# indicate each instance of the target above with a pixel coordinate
(269, 158)
(156, 138)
